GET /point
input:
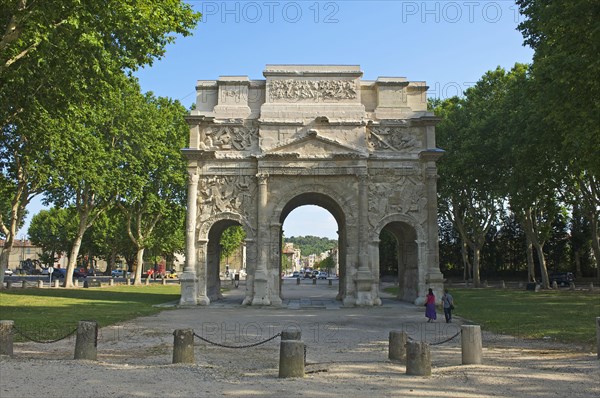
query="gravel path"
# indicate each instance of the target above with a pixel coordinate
(346, 356)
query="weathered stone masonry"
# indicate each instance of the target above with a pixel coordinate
(363, 150)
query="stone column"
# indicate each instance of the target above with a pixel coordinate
(374, 261)
(470, 337)
(202, 297)
(434, 279)
(418, 358)
(183, 346)
(86, 343)
(274, 269)
(364, 277)
(261, 294)
(397, 345)
(188, 278)
(6, 337)
(598, 336)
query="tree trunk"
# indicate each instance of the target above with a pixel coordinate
(464, 250)
(139, 266)
(530, 263)
(539, 248)
(596, 243)
(577, 259)
(83, 217)
(476, 255)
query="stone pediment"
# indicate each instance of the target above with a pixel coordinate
(313, 146)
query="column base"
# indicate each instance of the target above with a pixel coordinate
(188, 283)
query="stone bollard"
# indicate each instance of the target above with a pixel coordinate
(291, 335)
(76, 283)
(6, 337)
(23, 284)
(591, 286)
(128, 281)
(397, 346)
(86, 344)
(291, 358)
(485, 283)
(597, 336)
(164, 281)
(537, 287)
(183, 346)
(40, 284)
(147, 282)
(418, 358)
(470, 337)
(520, 285)
(330, 282)
(297, 281)
(503, 285)
(314, 281)
(571, 286)
(111, 282)
(8, 284)
(56, 283)
(554, 285)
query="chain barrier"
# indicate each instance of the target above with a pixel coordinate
(438, 342)
(237, 346)
(26, 336)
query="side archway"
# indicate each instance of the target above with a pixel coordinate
(209, 252)
(408, 254)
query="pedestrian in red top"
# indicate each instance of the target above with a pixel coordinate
(430, 306)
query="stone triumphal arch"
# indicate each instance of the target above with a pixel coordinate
(363, 150)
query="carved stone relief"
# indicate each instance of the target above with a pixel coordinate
(402, 195)
(220, 194)
(312, 89)
(392, 139)
(236, 138)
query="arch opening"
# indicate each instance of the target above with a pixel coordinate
(398, 259)
(216, 267)
(322, 209)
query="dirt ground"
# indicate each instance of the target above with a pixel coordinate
(347, 355)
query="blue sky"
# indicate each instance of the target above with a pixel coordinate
(448, 44)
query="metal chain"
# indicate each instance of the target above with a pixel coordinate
(237, 346)
(445, 341)
(439, 342)
(26, 336)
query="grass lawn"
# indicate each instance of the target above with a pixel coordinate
(51, 313)
(563, 315)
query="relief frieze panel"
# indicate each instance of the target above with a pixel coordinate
(234, 138)
(220, 194)
(403, 194)
(315, 90)
(396, 139)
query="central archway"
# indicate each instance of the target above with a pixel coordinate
(326, 202)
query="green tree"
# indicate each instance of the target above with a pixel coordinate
(56, 59)
(151, 169)
(565, 37)
(53, 230)
(231, 239)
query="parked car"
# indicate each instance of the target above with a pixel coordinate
(61, 272)
(296, 274)
(322, 275)
(119, 273)
(171, 274)
(8, 272)
(562, 278)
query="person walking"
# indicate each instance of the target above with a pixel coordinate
(448, 303)
(430, 306)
